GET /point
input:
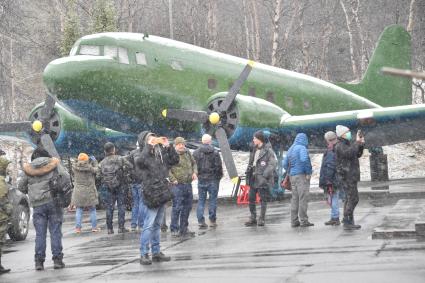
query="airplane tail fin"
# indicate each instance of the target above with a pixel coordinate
(393, 50)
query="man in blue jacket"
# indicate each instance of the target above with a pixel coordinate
(297, 161)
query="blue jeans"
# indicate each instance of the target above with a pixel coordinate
(151, 230)
(204, 187)
(182, 205)
(138, 207)
(336, 196)
(115, 195)
(79, 216)
(48, 215)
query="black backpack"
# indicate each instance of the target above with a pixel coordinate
(110, 174)
(60, 189)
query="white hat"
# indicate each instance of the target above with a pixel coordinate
(340, 130)
(330, 136)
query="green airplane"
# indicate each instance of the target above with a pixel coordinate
(114, 85)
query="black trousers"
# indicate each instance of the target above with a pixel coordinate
(352, 198)
(264, 195)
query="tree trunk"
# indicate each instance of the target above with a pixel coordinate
(275, 37)
(411, 17)
(350, 35)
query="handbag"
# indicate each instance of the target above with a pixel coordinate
(286, 182)
(157, 194)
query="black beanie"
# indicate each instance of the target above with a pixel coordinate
(108, 147)
(39, 152)
(260, 136)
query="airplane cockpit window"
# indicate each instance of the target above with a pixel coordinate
(251, 92)
(123, 55)
(141, 58)
(212, 83)
(89, 50)
(176, 65)
(307, 105)
(111, 51)
(289, 102)
(270, 96)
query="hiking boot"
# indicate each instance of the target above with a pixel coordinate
(175, 234)
(2, 269)
(261, 222)
(145, 260)
(39, 265)
(306, 224)
(58, 263)
(160, 257)
(122, 230)
(95, 229)
(295, 224)
(213, 223)
(251, 222)
(333, 222)
(110, 231)
(164, 228)
(349, 224)
(203, 226)
(77, 230)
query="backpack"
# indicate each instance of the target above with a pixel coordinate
(60, 188)
(110, 174)
(207, 164)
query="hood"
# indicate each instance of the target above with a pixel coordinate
(206, 148)
(301, 139)
(82, 165)
(141, 138)
(41, 166)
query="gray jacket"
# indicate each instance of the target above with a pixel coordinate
(36, 180)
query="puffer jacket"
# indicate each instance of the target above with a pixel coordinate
(298, 157)
(347, 161)
(182, 172)
(262, 175)
(85, 192)
(36, 180)
(328, 169)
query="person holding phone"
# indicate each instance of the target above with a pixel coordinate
(348, 171)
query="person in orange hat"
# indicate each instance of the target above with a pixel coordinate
(85, 193)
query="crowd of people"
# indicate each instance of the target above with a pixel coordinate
(159, 172)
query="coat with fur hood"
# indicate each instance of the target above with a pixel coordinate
(36, 180)
(85, 192)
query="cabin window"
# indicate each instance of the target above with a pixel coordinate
(212, 83)
(251, 92)
(176, 65)
(111, 51)
(289, 102)
(73, 50)
(89, 50)
(270, 96)
(141, 58)
(123, 55)
(307, 105)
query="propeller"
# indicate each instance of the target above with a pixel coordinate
(38, 129)
(216, 119)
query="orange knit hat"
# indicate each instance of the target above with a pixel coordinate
(83, 157)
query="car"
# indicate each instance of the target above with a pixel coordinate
(19, 220)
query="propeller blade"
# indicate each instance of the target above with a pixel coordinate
(231, 95)
(221, 136)
(186, 115)
(24, 126)
(47, 143)
(49, 104)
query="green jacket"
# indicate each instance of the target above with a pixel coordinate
(85, 192)
(183, 171)
(3, 187)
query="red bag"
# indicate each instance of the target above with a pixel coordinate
(286, 183)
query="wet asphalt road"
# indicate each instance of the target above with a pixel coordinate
(234, 253)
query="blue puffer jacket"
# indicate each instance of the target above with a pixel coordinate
(298, 157)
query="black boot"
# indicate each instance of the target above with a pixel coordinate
(58, 263)
(349, 224)
(252, 221)
(39, 265)
(2, 269)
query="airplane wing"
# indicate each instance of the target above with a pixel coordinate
(381, 126)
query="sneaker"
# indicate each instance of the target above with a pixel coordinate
(110, 231)
(95, 229)
(77, 230)
(352, 227)
(159, 257)
(175, 234)
(58, 264)
(188, 234)
(145, 260)
(39, 265)
(213, 223)
(133, 229)
(306, 224)
(295, 224)
(261, 222)
(333, 222)
(203, 226)
(251, 222)
(164, 228)
(122, 230)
